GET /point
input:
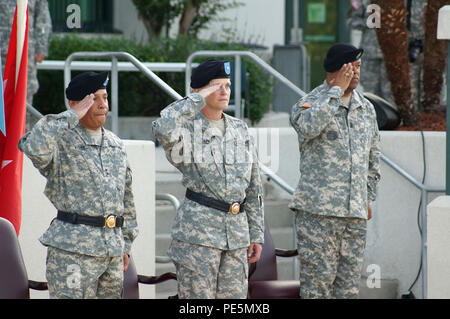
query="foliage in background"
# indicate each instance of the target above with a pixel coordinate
(138, 96)
(194, 15)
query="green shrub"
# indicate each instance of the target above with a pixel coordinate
(138, 96)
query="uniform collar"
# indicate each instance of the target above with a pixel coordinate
(88, 139)
(230, 125)
(356, 100)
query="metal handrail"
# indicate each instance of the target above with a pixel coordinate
(34, 111)
(114, 78)
(106, 66)
(176, 204)
(237, 73)
(277, 179)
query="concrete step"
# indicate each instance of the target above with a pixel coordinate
(170, 183)
(283, 237)
(274, 119)
(388, 289)
(285, 268)
(277, 213)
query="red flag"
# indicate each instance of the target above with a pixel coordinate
(15, 93)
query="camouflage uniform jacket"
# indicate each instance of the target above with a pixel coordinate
(339, 153)
(83, 177)
(225, 169)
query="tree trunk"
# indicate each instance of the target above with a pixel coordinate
(393, 40)
(149, 27)
(189, 14)
(435, 52)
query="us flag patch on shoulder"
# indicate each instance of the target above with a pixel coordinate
(307, 105)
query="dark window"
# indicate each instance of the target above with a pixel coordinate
(95, 15)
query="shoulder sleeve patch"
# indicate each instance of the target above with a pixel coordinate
(307, 105)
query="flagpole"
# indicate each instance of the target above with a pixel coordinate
(21, 27)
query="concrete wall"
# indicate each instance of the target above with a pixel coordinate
(393, 238)
(37, 213)
(438, 242)
(394, 241)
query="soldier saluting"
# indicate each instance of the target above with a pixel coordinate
(339, 170)
(219, 227)
(89, 183)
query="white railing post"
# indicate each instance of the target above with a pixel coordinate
(114, 96)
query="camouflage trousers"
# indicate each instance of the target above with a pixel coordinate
(74, 276)
(209, 273)
(331, 252)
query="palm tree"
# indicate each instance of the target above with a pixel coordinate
(435, 53)
(393, 40)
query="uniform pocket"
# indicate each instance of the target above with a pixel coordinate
(240, 158)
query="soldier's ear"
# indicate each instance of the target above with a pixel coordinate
(72, 103)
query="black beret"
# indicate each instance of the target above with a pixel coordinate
(208, 71)
(86, 83)
(340, 54)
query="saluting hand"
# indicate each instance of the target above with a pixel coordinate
(82, 107)
(206, 91)
(39, 57)
(342, 77)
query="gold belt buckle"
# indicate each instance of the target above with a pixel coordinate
(234, 208)
(110, 221)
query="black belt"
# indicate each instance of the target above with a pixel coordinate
(109, 221)
(234, 208)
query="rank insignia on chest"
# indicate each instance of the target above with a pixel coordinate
(307, 105)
